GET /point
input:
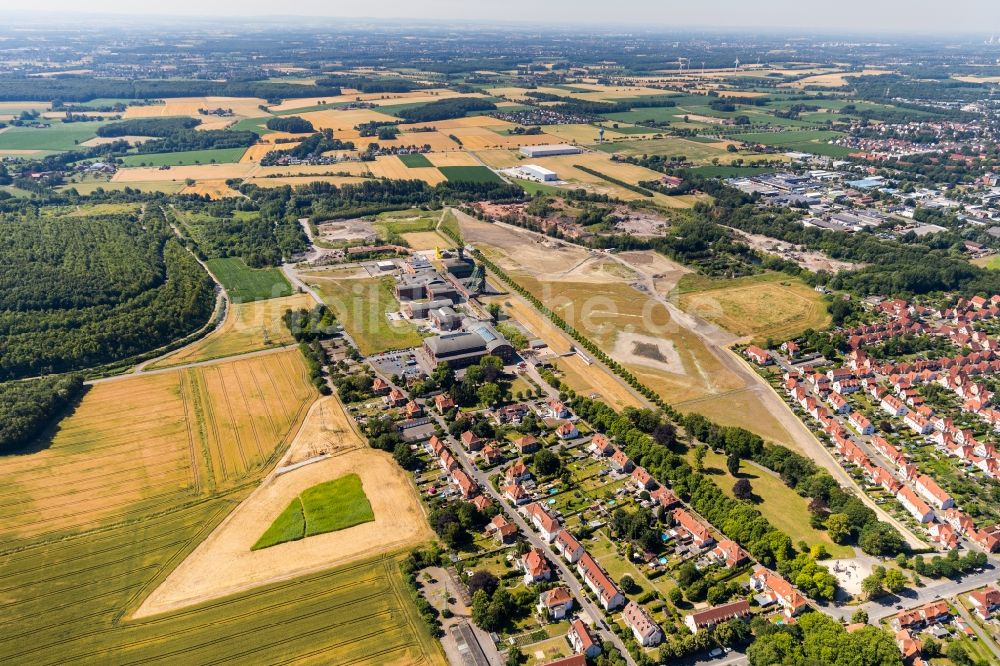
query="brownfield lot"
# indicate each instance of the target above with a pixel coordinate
(635, 328)
(772, 305)
(137, 442)
(242, 331)
(224, 564)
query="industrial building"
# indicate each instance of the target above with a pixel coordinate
(465, 348)
(534, 172)
(550, 150)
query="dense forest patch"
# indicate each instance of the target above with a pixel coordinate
(82, 291)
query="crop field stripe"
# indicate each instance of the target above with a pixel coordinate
(215, 445)
(14, 501)
(270, 419)
(192, 448)
(154, 499)
(263, 613)
(257, 613)
(251, 412)
(8, 577)
(198, 415)
(403, 603)
(232, 418)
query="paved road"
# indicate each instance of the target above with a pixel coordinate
(197, 364)
(911, 598)
(984, 638)
(535, 540)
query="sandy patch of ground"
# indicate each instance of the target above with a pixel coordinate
(224, 564)
(832, 80)
(638, 349)
(808, 259)
(664, 272)
(426, 240)
(850, 572)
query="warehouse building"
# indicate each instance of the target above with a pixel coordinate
(550, 150)
(534, 172)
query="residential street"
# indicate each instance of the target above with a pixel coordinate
(911, 598)
(567, 576)
(983, 637)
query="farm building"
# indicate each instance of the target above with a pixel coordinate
(550, 150)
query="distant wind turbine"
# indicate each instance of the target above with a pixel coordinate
(737, 64)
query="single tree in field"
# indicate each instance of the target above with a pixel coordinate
(743, 490)
(733, 464)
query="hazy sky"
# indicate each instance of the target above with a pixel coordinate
(976, 16)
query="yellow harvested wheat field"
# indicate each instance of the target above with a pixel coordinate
(390, 166)
(454, 158)
(379, 98)
(255, 152)
(295, 181)
(242, 331)
(137, 442)
(181, 173)
(468, 121)
(245, 107)
(345, 120)
(213, 189)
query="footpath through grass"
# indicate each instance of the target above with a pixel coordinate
(327, 507)
(246, 284)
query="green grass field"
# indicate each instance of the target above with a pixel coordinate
(696, 151)
(58, 137)
(470, 174)
(249, 284)
(327, 507)
(361, 305)
(212, 156)
(786, 509)
(415, 160)
(731, 171)
(252, 125)
(807, 141)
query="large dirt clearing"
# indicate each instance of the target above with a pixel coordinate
(224, 563)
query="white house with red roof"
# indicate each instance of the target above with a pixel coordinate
(608, 594)
(642, 479)
(567, 430)
(555, 603)
(536, 567)
(567, 545)
(985, 601)
(778, 589)
(861, 423)
(646, 631)
(728, 554)
(582, 640)
(699, 534)
(621, 462)
(916, 506)
(600, 446)
(758, 355)
(546, 525)
(932, 492)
